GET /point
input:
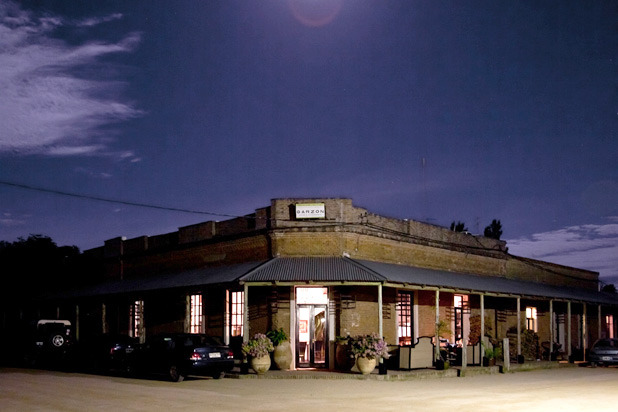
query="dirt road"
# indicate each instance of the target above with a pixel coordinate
(572, 389)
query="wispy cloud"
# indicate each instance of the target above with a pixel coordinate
(46, 108)
(592, 247)
(9, 220)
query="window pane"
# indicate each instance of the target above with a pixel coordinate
(404, 318)
(237, 308)
(531, 318)
(135, 320)
(196, 314)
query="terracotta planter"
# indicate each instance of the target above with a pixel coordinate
(261, 365)
(342, 356)
(365, 365)
(283, 355)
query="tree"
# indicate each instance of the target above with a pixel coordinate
(494, 230)
(609, 288)
(36, 265)
(458, 227)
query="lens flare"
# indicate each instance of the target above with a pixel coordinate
(315, 13)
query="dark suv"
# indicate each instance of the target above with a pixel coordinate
(51, 343)
(177, 355)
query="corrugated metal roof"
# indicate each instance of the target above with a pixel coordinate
(489, 284)
(195, 277)
(318, 269)
(340, 269)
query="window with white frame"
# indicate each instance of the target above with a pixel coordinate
(136, 318)
(531, 319)
(237, 308)
(196, 315)
(405, 302)
(460, 306)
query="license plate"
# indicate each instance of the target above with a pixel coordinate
(606, 358)
(214, 355)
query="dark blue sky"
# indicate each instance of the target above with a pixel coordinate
(435, 111)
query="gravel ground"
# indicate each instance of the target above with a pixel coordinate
(571, 389)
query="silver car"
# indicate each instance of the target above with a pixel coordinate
(604, 351)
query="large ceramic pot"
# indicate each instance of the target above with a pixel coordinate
(365, 365)
(343, 359)
(283, 355)
(261, 364)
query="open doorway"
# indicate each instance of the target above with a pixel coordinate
(311, 327)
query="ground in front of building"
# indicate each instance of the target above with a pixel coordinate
(568, 389)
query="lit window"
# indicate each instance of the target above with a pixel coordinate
(404, 318)
(609, 326)
(136, 318)
(531, 319)
(461, 306)
(237, 307)
(197, 320)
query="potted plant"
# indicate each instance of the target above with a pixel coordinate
(491, 354)
(283, 352)
(442, 362)
(367, 348)
(258, 349)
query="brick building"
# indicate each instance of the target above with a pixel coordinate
(321, 268)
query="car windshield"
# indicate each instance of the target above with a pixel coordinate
(201, 340)
(607, 343)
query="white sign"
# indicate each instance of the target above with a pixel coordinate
(310, 211)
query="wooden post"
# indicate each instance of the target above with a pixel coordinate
(505, 355)
(437, 345)
(464, 347)
(380, 327)
(482, 333)
(584, 333)
(569, 352)
(551, 329)
(245, 318)
(518, 327)
(599, 322)
(380, 320)
(187, 323)
(244, 367)
(104, 324)
(77, 322)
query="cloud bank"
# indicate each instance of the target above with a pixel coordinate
(592, 247)
(48, 109)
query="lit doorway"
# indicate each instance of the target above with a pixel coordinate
(311, 327)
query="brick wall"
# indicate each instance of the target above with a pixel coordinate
(347, 230)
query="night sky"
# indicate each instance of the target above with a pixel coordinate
(437, 111)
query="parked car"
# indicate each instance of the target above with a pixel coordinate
(105, 353)
(177, 355)
(604, 351)
(50, 344)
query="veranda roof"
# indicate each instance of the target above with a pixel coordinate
(335, 269)
(344, 270)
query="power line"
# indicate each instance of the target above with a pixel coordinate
(202, 212)
(115, 201)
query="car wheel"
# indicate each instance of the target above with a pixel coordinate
(218, 375)
(175, 374)
(593, 364)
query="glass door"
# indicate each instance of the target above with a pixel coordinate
(311, 336)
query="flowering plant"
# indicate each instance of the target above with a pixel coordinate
(259, 346)
(369, 346)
